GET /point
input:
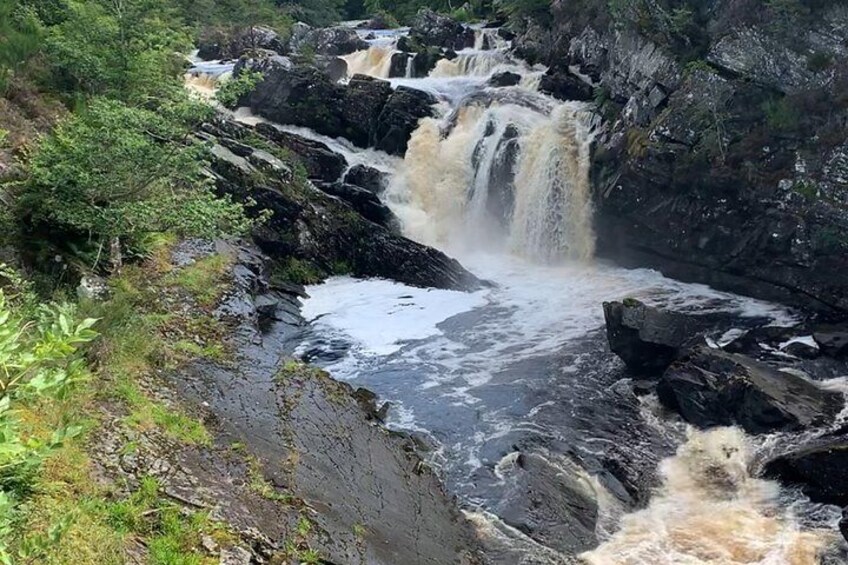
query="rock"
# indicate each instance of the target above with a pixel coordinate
(436, 30)
(549, 504)
(648, 339)
(366, 177)
(364, 100)
(504, 78)
(832, 339)
(363, 201)
(801, 350)
(713, 388)
(400, 63)
(220, 45)
(399, 118)
(320, 161)
(335, 41)
(315, 227)
(819, 469)
(563, 85)
(93, 287)
(843, 523)
(236, 556)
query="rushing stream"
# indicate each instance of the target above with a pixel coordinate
(511, 387)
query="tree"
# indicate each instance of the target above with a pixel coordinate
(113, 174)
(20, 38)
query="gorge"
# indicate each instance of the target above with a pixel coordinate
(555, 453)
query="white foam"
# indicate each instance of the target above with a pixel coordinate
(379, 316)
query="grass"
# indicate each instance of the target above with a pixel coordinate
(206, 280)
(297, 271)
(294, 368)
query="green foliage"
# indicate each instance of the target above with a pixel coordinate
(780, 115)
(233, 90)
(522, 9)
(298, 271)
(116, 172)
(20, 38)
(39, 362)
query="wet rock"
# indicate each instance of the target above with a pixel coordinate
(366, 177)
(843, 523)
(713, 388)
(364, 100)
(363, 201)
(399, 64)
(400, 117)
(334, 41)
(432, 29)
(819, 470)
(802, 350)
(504, 78)
(648, 339)
(563, 85)
(832, 339)
(549, 503)
(313, 226)
(320, 161)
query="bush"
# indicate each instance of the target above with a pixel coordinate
(39, 362)
(232, 91)
(112, 175)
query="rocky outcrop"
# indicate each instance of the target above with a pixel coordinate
(832, 339)
(366, 111)
(324, 231)
(363, 201)
(722, 160)
(648, 339)
(320, 161)
(564, 85)
(437, 30)
(332, 41)
(712, 388)
(220, 45)
(399, 118)
(819, 469)
(367, 177)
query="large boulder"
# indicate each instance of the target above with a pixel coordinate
(648, 339)
(334, 41)
(819, 469)
(364, 99)
(564, 85)
(220, 45)
(711, 388)
(320, 161)
(437, 30)
(832, 339)
(367, 177)
(504, 78)
(400, 117)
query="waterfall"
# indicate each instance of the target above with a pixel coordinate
(376, 61)
(505, 176)
(470, 64)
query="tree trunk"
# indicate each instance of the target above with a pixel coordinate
(115, 257)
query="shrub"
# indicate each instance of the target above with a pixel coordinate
(113, 174)
(232, 91)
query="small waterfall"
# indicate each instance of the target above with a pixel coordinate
(507, 175)
(480, 63)
(488, 38)
(376, 61)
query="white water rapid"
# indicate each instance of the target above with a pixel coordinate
(500, 180)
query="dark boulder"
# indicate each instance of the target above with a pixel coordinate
(504, 78)
(648, 339)
(366, 177)
(819, 469)
(713, 388)
(220, 45)
(832, 339)
(399, 118)
(320, 161)
(334, 41)
(364, 99)
(299, 95)
(564, 85)
(400, 63)
(548, 504)
(363, 201)
(432, 29)
(843, 523)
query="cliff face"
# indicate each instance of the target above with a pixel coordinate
(725, 152)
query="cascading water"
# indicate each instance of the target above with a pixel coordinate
(501, 179)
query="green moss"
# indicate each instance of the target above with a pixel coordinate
(631, 302)
(298, 271)
(206, 280)
(297, 369)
